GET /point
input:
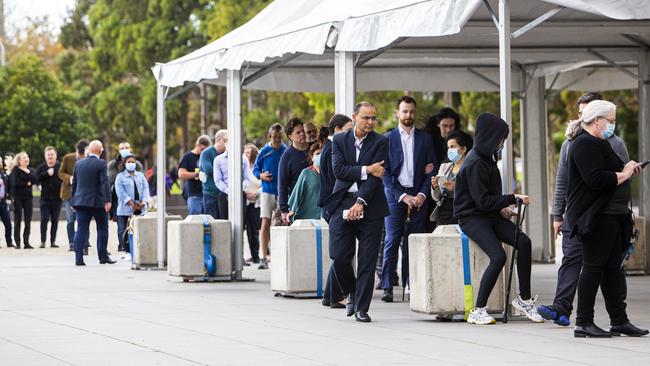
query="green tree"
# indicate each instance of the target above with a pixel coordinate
(36, 111)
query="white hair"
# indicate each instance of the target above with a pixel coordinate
(593, 110)
(221, 135)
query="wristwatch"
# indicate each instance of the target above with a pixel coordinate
(361, 201)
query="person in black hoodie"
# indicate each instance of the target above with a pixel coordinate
(4, 209)
(48, 177)
(22, 178)
(483, 214)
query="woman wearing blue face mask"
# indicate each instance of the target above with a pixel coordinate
(303, 202)
(598, 213)
(459, 144)
(132, 195)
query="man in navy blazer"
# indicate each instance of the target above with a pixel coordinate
(91, 199)
(357, 207)
(338, 123)
(407, 182)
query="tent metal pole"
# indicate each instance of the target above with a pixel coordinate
(644, 132)
(541, 19)
(344, 82)
(505, 92)
(235, 191)
(161, 155)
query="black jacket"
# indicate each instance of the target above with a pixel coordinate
(592, 180)
(7, 183)
(327, 178)
(21, 183)
(50, 185)
(478, 184)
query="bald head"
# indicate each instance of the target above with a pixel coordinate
(95, 147)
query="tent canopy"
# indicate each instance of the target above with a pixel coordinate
(399, 45)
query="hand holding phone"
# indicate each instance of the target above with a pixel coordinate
(643, 164)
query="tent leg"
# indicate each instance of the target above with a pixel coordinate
(505, 92)
(344, 82)
(235, 192)
(161, 147)
(535, 183)
(644, 143)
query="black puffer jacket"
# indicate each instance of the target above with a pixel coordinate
(478, 184)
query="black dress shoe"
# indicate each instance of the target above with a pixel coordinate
(110, 261)
(27, 246)
(388, 295)
(10, 245)
(80, 264)
(362, 316)
(350, 305)
(53, 245)
(628, 329)
(42, 245)
(337, 305)
(325, 302)
(590, 331)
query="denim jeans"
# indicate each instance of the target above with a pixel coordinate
(70, 217)
(211, 205)
(6, 221)
(195, 205)
(121, 228)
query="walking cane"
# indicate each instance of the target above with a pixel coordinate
(521, 212)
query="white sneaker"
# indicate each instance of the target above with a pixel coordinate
(528, 307)
(480, 316)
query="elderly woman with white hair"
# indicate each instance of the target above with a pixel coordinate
(598, 213)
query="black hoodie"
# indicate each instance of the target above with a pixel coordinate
(478, 184)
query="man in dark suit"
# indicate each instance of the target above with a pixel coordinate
(91, 199)
(357, 206)
(407, 182)
(338, 123)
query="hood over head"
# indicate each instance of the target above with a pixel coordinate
(490, 131)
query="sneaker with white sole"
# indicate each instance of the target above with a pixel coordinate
(528, 307)
(480, 316)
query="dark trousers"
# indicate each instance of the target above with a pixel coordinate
(23, 209)
(223, 206)
(252, 223)
(332, 291)
(50, 211)
(6, 220)
(489, 233)
(343, 234)
(397, 232)
(211, 205)
(569, 272)
(122, 221)
(84, 215)
(601, 265)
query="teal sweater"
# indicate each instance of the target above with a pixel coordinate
(304, 196)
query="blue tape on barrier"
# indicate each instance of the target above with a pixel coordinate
(131, 248)
(319, 258)
(465, 248)
(209, 260)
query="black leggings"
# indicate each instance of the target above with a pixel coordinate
(23, 208)
(489, 233)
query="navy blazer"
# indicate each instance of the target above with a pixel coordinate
(327, 178)
(347, 171)
(423, 154)
(90, 183)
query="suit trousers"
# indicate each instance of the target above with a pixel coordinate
(397, 232)
(332, 291)
(84, 215)
(343, 236)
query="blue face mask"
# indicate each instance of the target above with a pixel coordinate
(316, 159)
(453, 155)
(609, 131)
(130, 167)
(124, 153)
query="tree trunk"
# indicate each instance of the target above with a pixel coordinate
(203, 95)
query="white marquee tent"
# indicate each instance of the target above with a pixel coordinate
(529, 47)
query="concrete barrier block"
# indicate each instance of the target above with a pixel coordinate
(294, 257)
(145, 234)
(185, 246)
(437, 277)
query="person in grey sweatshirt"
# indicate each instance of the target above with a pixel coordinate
(569, 271)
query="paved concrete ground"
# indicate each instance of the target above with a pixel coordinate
(53, 313)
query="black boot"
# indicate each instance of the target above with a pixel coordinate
(628, 329)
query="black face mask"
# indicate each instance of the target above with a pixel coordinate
(498, 152)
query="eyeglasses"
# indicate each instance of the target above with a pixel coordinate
(368, 118)
(608, 120)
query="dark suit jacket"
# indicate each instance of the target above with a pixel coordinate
(90, 183)
(327, 178)
(423, 154)
(347, 171)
